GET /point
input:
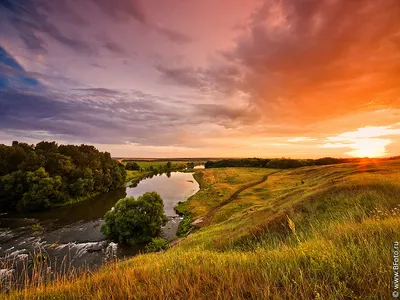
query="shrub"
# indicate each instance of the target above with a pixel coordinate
(133, 221)
(132, 166)
(157, 244)
(184, 226)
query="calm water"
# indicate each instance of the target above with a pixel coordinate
(74, 231)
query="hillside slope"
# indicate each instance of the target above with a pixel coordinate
(309, 233)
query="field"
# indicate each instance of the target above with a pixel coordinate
(322, 232)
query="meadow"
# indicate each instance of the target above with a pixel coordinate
(316, 232)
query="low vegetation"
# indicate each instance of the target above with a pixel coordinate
(316, 232)
(45, 175)
(156, 245)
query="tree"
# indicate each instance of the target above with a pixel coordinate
(132, 166)
(12, 188)
(134, 221)
(43, 190)
(169, 165)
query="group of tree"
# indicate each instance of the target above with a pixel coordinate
(36, 177)
(276, 163)
(156, 168)
(190, 165)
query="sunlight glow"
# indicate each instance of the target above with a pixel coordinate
(365, 142)
(369, 147)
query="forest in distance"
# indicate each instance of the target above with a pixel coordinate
(45, 175)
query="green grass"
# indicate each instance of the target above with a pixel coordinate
(135, 176)
(310, 233)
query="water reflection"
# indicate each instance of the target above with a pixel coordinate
(172, 189)
(74, 230)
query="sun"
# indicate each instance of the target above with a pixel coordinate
(369, 147)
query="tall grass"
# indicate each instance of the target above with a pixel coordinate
(33, 270)
(350, 261)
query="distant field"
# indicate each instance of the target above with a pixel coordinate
(195, 159)
(156, 164)
(321, 232)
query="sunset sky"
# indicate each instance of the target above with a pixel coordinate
(201, 78)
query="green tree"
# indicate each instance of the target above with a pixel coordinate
(169, 165)
(134, 221)
(132, 166)
(12, 188)
(43, 190)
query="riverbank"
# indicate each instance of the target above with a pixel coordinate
(307, 233)
(71, 236)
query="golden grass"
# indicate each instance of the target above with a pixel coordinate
(217, 185)
(310, 233)
(347, 262)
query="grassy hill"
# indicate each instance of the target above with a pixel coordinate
(322, 232)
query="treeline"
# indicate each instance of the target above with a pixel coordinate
(158, 167)
(47, 175)
(275, 163)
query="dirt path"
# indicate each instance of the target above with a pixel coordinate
(206, 220)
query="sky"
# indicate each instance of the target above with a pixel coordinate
(202, 78)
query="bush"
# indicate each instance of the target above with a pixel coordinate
(157, 244)
(184, 226)
(132, 166)
(135, 221)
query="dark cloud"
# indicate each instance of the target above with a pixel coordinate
(185, 76)
(228, 116)
(97, 115)
(20, 110)
(121, 9)
(31, 17)
(173, 35)
(87, 116)
(35, 18)
(114, 48)
(98, 66)
(224, 79)
(102, 91)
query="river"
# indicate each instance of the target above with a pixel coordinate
(72, 233)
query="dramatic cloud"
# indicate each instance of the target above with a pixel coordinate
(31, 18)
(120, 9)
(259, 77)
(309, 60)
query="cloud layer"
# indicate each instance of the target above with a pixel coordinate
(255, 76)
